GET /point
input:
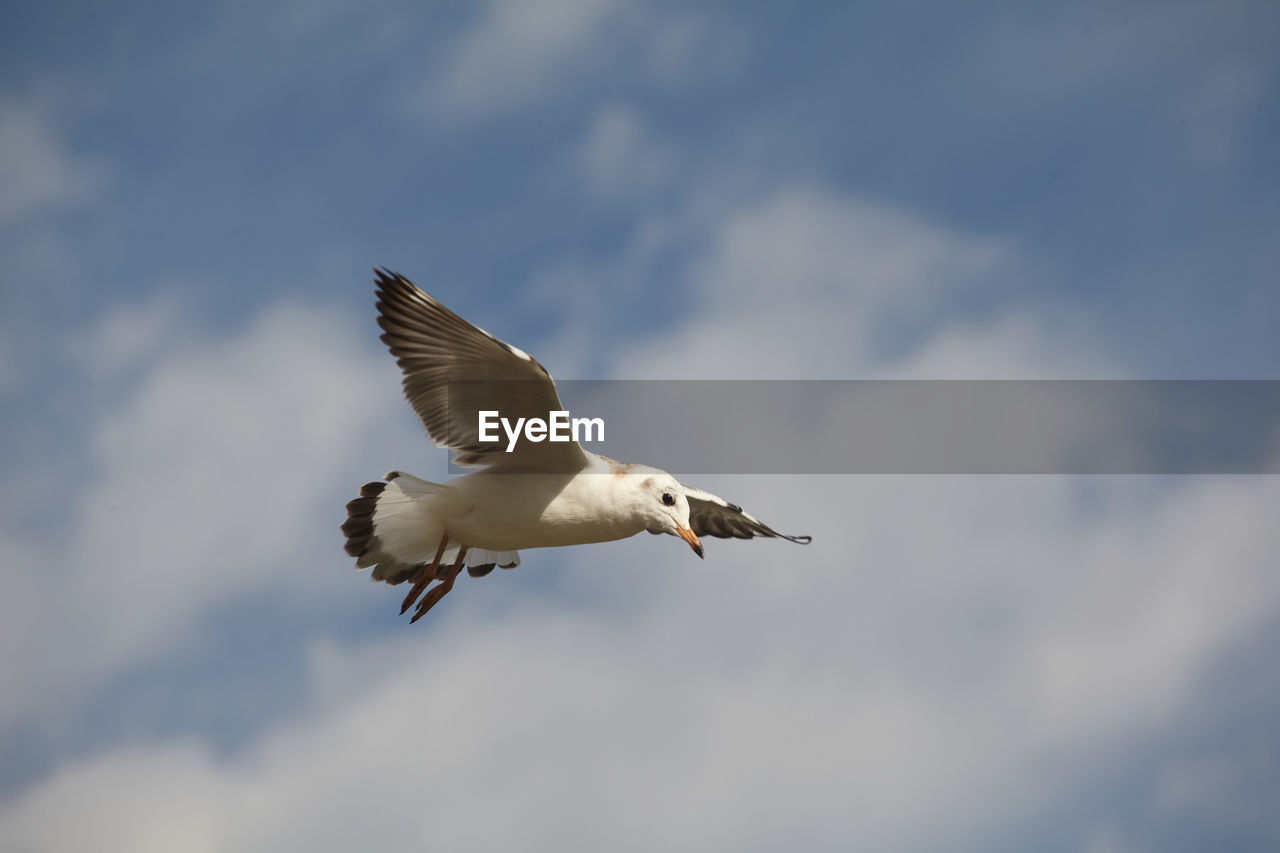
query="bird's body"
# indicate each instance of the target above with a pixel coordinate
(512, 512)
(542, 496)
(497, 511)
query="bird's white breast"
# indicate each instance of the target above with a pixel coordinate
(510, 512)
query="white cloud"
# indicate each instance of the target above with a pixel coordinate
(1223, 787)
(1105, 840)
(9, 373)
(207, 478)
(1068, 51)
(688, 46)
(183, 818)
(620, 157)
(38, 171)
(971, 649)
(129, 337)
(797, 285)
(1216, 106)
(731, 703)
(816, 246)
(517, 52)
(1013, 346)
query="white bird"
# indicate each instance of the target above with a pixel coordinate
(539, 495)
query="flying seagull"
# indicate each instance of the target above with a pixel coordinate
(535, 495)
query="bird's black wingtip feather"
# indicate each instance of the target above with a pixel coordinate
(388, 283)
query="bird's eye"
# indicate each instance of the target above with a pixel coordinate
(668, 499)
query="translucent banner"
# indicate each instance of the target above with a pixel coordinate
(885, 426)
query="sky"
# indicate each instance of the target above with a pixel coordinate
(191, 387)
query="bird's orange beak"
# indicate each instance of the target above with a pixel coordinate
(689, 536)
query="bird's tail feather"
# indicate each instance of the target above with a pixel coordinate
(395, 526)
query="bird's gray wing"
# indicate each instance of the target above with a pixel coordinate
(454, 370)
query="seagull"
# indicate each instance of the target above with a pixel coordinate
(532, 495)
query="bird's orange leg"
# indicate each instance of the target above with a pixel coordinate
(441, 589)
(427, 576)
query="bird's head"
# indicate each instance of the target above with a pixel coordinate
(666, 509)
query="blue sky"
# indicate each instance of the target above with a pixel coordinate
(191, 387)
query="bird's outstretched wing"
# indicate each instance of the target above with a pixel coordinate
(454, 370)
(710, 515)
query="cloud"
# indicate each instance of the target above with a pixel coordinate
(737, 702)
(10, 376)
(1223, 787)
(620, 157)
(516, 52)
(1106, 840)
(129, 337)
(972, 649)
(209, 473)
(977, 651)
(1215, 108)
(685, 47)
(801, 282)
(38, 171)
(1026, 345)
